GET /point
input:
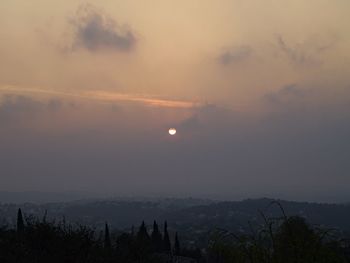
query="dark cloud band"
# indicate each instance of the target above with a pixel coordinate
(94, 31)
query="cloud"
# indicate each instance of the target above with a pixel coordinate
(95, 30)
(54, 104)
(306, 52)
(287, 92)
(294, 54)
(235, 55)
(148, 101)
(13, 107)
(105, 96)
(19, 103)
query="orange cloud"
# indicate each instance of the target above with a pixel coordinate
(105, 96)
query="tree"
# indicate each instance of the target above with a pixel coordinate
(296, 240)
(166, 239)
(156, 238)
(143, 243)
(142, 235)
(20, 222)
(176, 246)
(107, 241)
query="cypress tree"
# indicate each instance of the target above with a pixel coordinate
(107, 241)
(156, 238)
(142, 235)
(176, 246)
(20, 222)
(166, 239)
(143, 243)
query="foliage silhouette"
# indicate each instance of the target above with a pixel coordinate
(166, 239)
(279, 240)
(156, 238)
(176, 245)
(107, 241)
(20, 223)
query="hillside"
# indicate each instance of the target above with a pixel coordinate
(193, 218)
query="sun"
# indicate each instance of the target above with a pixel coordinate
(172, 131)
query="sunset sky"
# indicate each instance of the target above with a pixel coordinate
(259, 92)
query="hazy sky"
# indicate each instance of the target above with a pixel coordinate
(259, 92)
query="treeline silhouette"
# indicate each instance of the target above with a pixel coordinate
(278, 240)
(35, 240)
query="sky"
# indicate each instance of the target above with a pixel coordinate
(258, 91)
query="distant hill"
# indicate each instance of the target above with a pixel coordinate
(38, 197)
(193, 218)
(233, 215)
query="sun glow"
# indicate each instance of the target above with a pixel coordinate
(172, 131)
